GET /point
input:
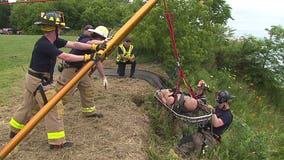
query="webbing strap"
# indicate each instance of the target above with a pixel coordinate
(42, 93)
(181, 74)
(179, 104)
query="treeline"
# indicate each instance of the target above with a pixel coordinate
(205, 43)
(77, 13)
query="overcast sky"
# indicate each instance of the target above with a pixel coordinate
(253, 16)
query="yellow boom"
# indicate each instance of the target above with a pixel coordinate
(113, 43)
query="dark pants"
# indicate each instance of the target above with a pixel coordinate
(195, 143)
(122, 65)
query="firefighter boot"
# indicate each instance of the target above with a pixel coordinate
(93, 114)
(12, 134)
(61, 146)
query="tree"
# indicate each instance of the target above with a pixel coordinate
(199, 31)
(274, 57)
(77, 13)
(257, 62)
(4, 15)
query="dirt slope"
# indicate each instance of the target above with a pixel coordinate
(120, 134)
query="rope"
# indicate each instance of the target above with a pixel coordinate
(181, 74)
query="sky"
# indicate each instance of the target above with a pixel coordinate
(251, 17)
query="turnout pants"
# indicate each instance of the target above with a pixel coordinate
(85, 86)
(122, 66)
(32, 98)
(202, 138)
(195, 142)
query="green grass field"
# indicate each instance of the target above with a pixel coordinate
(15, 53)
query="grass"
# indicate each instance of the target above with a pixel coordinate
(15, 53)
(257, 131)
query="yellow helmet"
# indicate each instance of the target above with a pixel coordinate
(49, 20)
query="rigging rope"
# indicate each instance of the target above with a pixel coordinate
(181, 73)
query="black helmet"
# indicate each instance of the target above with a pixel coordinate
(51, 18)
(223, 96)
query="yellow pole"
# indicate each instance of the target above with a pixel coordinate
(128, 26)
(126, 29)
(118, 37)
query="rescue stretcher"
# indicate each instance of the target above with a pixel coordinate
(202, 115)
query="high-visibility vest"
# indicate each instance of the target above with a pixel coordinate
(125, 53)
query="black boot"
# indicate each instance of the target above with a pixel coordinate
(61, 146)
(12, 134)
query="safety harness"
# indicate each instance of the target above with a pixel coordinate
(181, 74)
(44, 81)
(178, 105)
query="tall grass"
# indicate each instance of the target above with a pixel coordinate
(257, 131)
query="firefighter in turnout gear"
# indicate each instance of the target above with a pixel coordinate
(85, 85)
(209, 134)
(125, 56)
(39, 87)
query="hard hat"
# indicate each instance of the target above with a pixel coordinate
(223, 96)
(203, 85)
(100, 30)
(49, 20)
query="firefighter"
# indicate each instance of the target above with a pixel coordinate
(39, 87)
(125, 56)
(209, 134)
(85, 84)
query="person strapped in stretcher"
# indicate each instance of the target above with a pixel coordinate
(180, 102)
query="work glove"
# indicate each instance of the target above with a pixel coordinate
(88, 57)
(105, 83)
(108, 38)
(93, 56)
(99, 46)
(212, 109)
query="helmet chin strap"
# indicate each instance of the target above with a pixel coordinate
(56, 31)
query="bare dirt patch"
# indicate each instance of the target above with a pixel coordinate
(121, 134)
